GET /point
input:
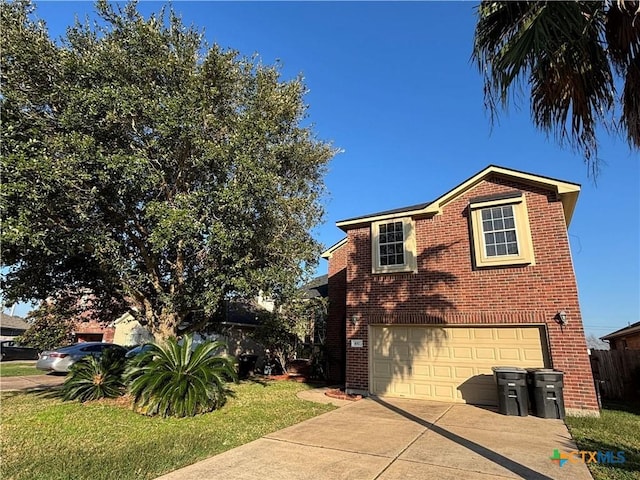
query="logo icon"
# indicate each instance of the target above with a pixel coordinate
(561, 458)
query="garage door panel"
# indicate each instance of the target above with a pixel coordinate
(382, 369)
(421, 370)
(442, 371)
(422, 390)
(458, 333)
(400, 351)
(509, 354)
(462, 353)
(531, 333)
(381, 387)
(401, 388)
(452, 364)
(533, 355)
(440, 352)
(506, 334)
(485, 353)
(444, 392)
(464, 372)
(483, 333)
(479, 393)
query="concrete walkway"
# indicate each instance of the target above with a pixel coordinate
(391, 439)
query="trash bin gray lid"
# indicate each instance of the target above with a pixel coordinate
(546, 371)
(509, 369)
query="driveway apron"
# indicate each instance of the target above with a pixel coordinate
(391, 438)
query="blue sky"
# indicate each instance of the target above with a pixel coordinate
(392, 85)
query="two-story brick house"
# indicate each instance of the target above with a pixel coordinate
(424, 300)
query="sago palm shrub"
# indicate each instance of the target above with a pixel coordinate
(91, 378)
(175, 380)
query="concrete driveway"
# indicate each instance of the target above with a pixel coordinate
(400, 439)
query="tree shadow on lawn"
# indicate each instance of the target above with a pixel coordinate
(270, 379)
(622, 406)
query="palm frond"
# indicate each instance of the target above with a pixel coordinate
(91, 378)
(557, 50)
(622, 34)
(179, 380)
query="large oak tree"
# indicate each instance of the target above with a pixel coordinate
(143, 165)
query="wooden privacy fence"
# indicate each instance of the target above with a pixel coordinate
(617, 373)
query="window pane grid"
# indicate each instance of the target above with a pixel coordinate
(498, 225)
(391, 243)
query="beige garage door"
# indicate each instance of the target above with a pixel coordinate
(451, 364)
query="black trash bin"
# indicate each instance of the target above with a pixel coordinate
(545, 391)
(513, 398)
(246, 365)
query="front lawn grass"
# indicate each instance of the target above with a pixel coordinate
(15, 369)
(45, 438)
(617, 429)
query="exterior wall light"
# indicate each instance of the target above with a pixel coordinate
(354, 320)
(561, 317)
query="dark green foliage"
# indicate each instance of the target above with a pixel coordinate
(299, 322)
(176, 380)
(50, 328)
(568, 53)
(143, 165)
(92, 378)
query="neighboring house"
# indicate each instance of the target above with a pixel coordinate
(11, 326)
(86, 330)
(627, 338)
(129, 332)
(318, 287)
(239, 320)
(424, 300)
(314, 295)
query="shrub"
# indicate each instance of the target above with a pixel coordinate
(49, 328)
(91, 378)
(176, 380)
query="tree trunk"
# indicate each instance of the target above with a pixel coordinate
(166, 326)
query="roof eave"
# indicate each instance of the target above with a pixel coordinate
(567, 192)
(622, 332)
(329, 251)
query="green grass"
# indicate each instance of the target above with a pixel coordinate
(15, 369)
(44, 438)
(617, 429)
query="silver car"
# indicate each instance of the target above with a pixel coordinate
(61, 359)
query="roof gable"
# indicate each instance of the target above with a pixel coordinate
(329, 251)
(567, 191)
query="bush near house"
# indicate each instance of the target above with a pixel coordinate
(50, 328)
(169, 379)
(92, 378)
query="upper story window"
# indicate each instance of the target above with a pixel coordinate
(393, 246)
(391, 243)
(501, 233)
(499, 227)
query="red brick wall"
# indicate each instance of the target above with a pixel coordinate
(93, 327)
(630, 342)
(335, 341)
(447, 289)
